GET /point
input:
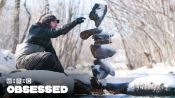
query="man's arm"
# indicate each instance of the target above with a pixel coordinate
(65, 29)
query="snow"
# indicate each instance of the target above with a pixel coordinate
(7, 61)
(101, 2)
(157, 84)
(161, 75)
(157, 69)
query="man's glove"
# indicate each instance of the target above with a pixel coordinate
(80, 20)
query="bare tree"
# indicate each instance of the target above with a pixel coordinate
(45, 11)
(148, 29)
(28, 22)
(69, 46)
(2, 3)
(16, 25)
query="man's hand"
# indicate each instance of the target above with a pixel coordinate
(80, 20)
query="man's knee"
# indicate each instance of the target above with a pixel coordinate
(49, 56)
(53, 62)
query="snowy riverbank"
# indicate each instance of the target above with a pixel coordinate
(158, 79)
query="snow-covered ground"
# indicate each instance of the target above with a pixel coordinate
(157, 69)
(160, 74)
(7, 61)
(153, 84)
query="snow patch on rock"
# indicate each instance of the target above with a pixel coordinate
(153, 84)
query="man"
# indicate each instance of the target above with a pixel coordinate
(37, 52)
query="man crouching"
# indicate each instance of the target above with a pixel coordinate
(37, 52)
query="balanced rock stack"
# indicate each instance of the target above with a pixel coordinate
(99, 49)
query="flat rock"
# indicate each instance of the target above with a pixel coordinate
(102, 35)
(102, 38)
(102, 41)
(40, 77)
(87, 33)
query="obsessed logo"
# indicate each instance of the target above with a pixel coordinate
(37, 89)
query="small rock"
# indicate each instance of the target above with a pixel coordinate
(102, 38)
(102, 41)
(102, 35)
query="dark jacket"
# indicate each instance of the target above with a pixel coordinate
(40, 34)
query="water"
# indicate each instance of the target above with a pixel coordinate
(121, 96)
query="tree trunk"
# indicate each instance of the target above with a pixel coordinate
(2, 3)
(28, 23)
(16, 25)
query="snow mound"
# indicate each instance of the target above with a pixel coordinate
(153, 85)
(157, 69)
(7, 61)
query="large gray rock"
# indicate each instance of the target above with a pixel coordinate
(39, 77)
(84, 77)
(98, 12)
(102, 51)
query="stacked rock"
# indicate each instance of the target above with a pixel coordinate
(100, 51)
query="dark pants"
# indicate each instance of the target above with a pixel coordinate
(40, 61)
